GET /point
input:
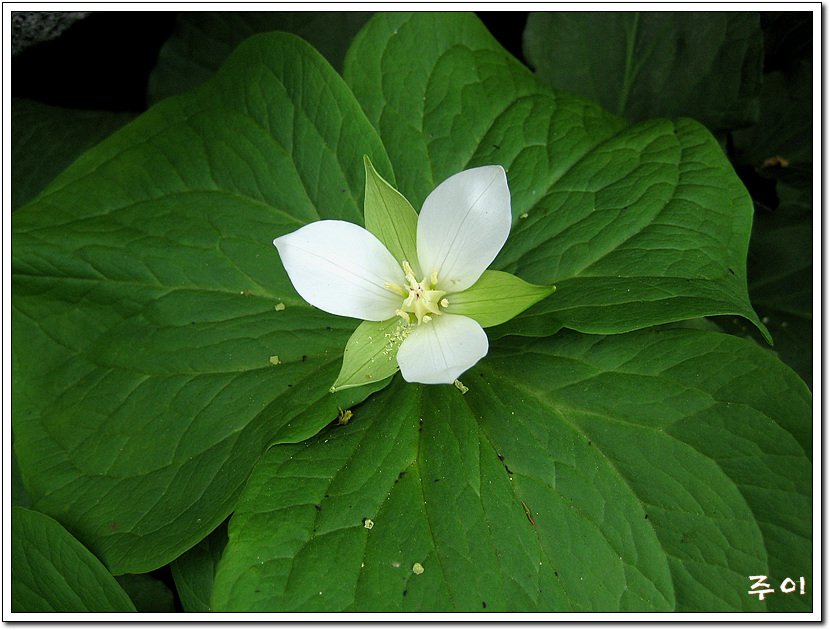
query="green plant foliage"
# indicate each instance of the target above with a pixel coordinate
(635, 227)
(46, 140)
(194, 571)
(146, 295)
(20, 496)
(706, 65)
(649, 471)
(149, 594)
(780, 271)
(53, 572)
(780, 267)
(203, 40)
(784, 133)
(167, 376)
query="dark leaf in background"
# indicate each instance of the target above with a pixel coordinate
(779, 151)
(20, 496)
(148, 593)
(788, 39)
(782, 140)
(46, 140)
(202, 41)
(195, 570)
(706, 65)
(781, 261)
(780, 268)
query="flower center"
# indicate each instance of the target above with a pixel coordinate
(421, 299)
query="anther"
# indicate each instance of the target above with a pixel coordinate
(409, 273)
(445, 303)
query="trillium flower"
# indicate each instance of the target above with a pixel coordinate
(421, 303)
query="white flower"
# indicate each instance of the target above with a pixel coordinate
(343, 269)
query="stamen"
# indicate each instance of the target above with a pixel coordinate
(395, 288)
(444, 303)
(409, 273)
(421, 299)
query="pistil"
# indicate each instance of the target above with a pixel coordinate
(421, 299)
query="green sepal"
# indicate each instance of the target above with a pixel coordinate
(371, 353)
(497, 297)
(390, 217)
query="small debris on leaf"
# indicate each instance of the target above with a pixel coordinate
(344, 416)
(775, 160)
(274, 360)
(527, 513)
(279, 307)
(417, 568)
(461, 386)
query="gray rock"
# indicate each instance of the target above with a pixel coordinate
(32, 27)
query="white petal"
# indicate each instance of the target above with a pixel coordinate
(440, 351)
(341, 268)
(462, 226)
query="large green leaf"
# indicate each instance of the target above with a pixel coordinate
(445, 96)
(635, 227)
(634, 241)
(706, 65)
(203, 40)
(154, 362)
(53, 572)
(45, 140)
(649, 471)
